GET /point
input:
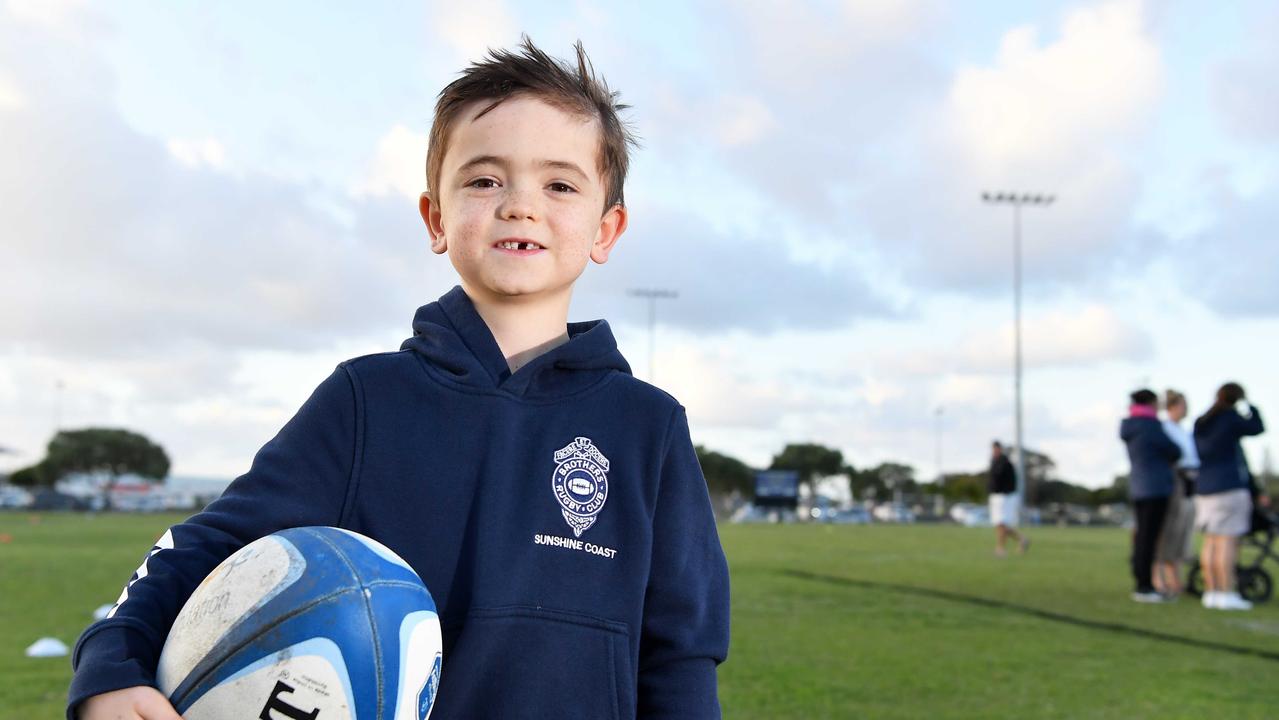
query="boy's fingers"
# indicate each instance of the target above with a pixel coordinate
(154, 706)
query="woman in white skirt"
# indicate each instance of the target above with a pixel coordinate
(1223, 505)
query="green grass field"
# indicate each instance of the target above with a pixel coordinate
(828, 622)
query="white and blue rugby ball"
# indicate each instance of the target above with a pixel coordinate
(316, 623)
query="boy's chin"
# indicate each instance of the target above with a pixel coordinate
(519, 291)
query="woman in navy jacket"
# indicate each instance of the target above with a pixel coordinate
(1223, 503)
(1152, 454)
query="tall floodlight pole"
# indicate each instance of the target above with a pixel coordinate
(941, 476)
(1017, 200)
(652, 295)
(939, 502)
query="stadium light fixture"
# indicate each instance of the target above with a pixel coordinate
(1017, 200)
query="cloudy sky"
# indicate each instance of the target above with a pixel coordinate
(206, 207)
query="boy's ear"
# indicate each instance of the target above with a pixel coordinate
(612, 225)
(434, 223)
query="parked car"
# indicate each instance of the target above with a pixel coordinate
(959, 511)
(977, 516)
(756, 514)
(50, 499)
(823, 509)
(849, 516)
(12, 496)
(894, 513)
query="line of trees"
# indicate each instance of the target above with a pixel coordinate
(725, 474)
(114, 452)
(108, 452)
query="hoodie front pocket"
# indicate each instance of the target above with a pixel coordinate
(524, 662)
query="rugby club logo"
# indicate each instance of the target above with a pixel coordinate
(580, 483)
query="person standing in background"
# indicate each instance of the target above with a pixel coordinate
(1152, 455)
(1176, 542)
(1005, 505)
(1223, 503)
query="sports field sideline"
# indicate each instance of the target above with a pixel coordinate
(828, 622)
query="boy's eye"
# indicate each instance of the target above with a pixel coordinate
(560, 187)
(482, 183)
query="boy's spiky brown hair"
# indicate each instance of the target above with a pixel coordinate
(529, 70)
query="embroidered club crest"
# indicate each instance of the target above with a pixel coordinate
(580, 483)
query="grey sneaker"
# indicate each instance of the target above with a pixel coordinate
(1148, 597)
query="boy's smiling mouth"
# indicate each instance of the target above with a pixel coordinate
(518, 245)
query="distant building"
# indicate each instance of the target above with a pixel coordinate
(132, 493)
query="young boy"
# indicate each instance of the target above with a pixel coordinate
(552, 503)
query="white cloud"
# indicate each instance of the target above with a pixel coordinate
(143, 277)
(195, 153)
(11, 96)
(742, 119)
(840, 84)
(1231, 264)
(1245, 89)
(1063, 117)
(398, 166)
(968, 390)
(726, 280)
(471, 28)
(50, 13)
(210, 408)
(131, 243)
(875, 151)
(722, 385)
(1086, 336)
(796, 44)
(749, 397)
(1045, 102)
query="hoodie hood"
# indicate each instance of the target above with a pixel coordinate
(451, 336)
(1131, 427)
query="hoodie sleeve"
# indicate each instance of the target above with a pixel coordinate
(299, 478)
(686, 607)
(1251, 425)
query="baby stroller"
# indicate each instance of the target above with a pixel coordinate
(1255, 548)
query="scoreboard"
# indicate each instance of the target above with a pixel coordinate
(777, 488)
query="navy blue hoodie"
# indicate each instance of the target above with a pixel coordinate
(442, 454)
(1152, 454)
(1222, 464)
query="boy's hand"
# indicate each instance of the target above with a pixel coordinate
(135, 703)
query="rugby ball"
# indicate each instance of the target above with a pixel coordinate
(310, 623)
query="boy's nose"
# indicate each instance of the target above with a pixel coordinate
(517, 205)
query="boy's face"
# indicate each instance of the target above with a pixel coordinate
(518, 207)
